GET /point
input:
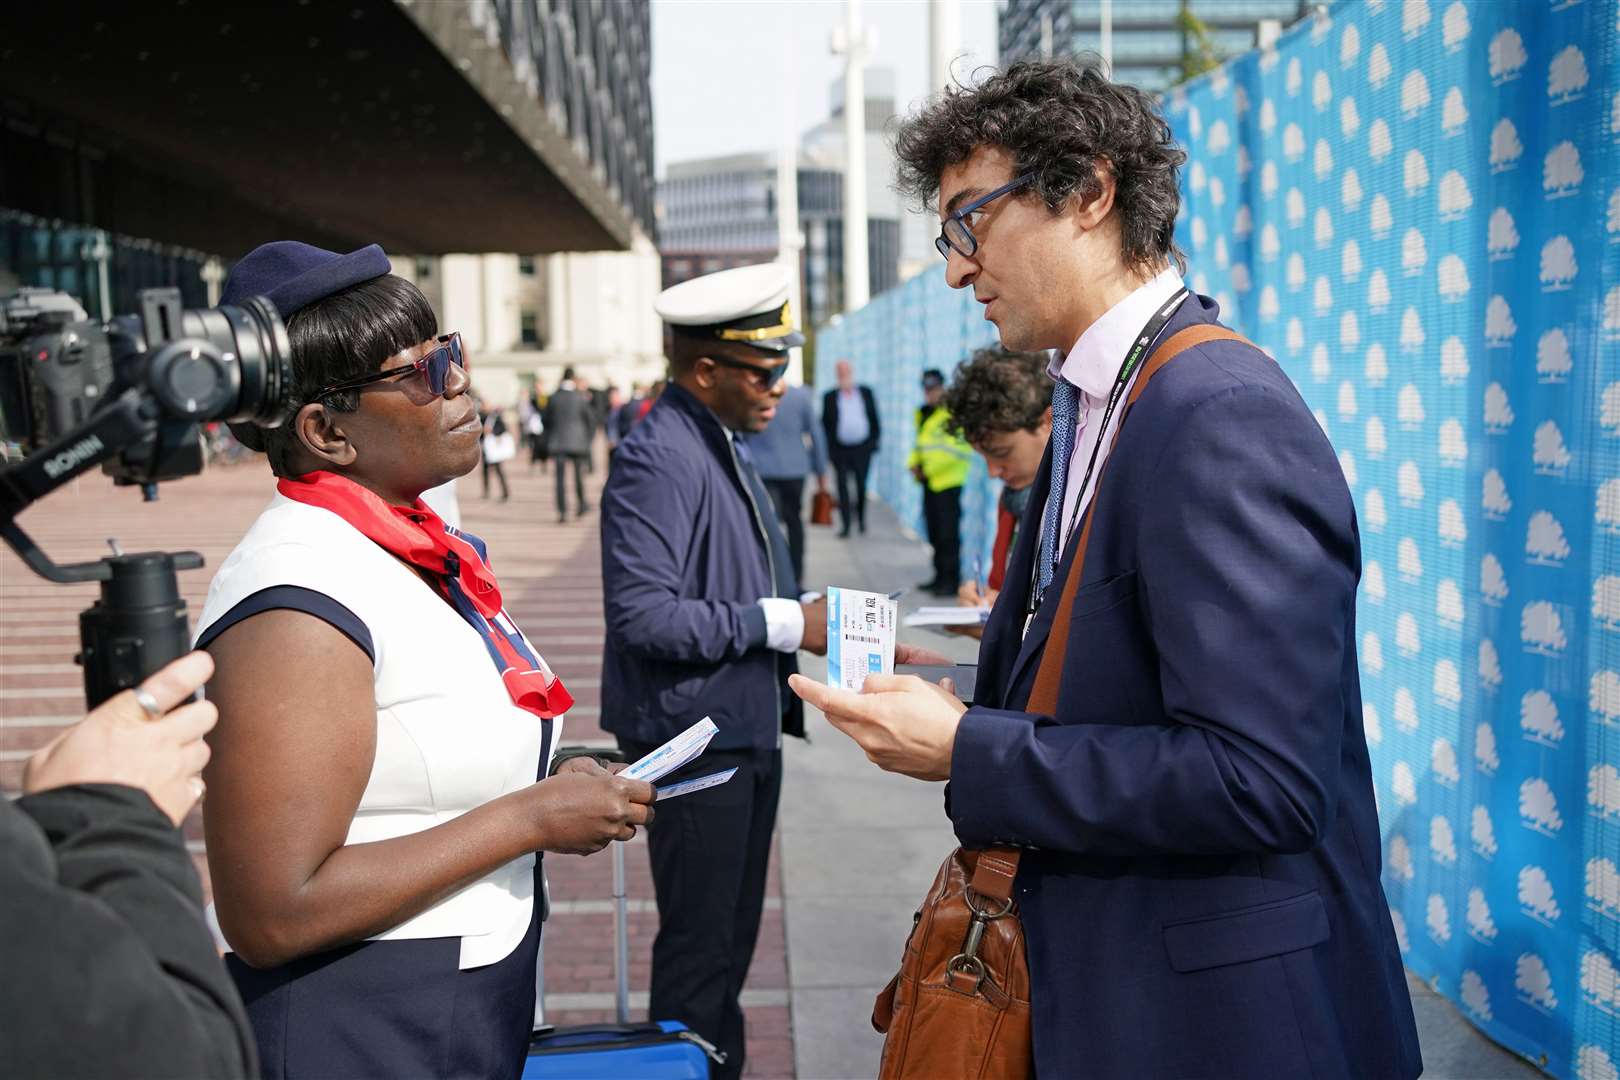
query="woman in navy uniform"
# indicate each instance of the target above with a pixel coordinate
(378, 787)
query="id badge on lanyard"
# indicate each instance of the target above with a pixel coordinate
(1139, 348)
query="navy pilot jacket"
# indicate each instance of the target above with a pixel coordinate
(687, 552)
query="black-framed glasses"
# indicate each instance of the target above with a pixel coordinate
(954, 234)
(433, 364)
(763, 377)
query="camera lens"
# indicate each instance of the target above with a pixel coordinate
(248, 361)
(265, 355)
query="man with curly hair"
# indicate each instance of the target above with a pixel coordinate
(1196, 838)
(1000, 401)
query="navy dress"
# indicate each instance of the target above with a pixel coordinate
(393, 1009)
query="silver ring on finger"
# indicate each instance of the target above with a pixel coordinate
(148, 703)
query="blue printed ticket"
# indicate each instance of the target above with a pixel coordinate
(681, 750)
(860, 636)
(686, 787)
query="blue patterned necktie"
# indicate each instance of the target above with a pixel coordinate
(1065, 407)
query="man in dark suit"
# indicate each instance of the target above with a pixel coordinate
(704, 618)
(1199, 871)
(849, 416)
(570, 425)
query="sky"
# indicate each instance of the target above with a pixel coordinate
(722, 69)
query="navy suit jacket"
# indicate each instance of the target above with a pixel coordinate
(1200, 886)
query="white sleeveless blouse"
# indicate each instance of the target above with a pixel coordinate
(448, 736)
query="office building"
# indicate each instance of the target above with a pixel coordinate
(721, 212)
(1149, 38)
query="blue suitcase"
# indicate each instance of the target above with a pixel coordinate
(655, 1051)
(662, 1050)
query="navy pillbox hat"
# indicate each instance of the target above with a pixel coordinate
(294, 275)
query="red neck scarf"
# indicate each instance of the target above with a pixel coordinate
(456, 562)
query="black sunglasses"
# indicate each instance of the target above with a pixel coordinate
(433, 364)
(954, 235)
(764, 378)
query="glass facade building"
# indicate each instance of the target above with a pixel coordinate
(1148, 43)
(590, 63)
(721, 213)
(52, 254)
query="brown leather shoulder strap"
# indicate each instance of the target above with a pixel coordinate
(997, 867)
(1048, 677)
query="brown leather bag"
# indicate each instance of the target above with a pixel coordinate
(959, 1006)
(821, 507)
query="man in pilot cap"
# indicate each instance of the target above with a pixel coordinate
(704, 619)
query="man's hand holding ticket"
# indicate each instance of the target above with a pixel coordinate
(860, 636)
(904, 723)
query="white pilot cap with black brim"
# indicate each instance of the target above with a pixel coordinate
(749, 305)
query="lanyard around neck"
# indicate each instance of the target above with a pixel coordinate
(1139, 348)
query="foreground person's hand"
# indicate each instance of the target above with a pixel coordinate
(157, 747)
(582, 811)
(815, 626)
(916, 654)
(905, 724)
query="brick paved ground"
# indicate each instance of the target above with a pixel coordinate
(551, 578)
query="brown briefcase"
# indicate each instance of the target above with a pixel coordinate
(821, 508)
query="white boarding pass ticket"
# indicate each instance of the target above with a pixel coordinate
(860, 636)
(686, 787)
(681, 750)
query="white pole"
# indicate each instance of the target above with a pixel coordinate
(789, 240)
(944, 40)
(213, 275)
(857, 286)
(98, 252)
(1046, 35)
(1108, 37)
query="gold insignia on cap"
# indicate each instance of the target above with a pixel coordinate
(781, 328)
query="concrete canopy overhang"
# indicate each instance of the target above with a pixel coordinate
(352, 120)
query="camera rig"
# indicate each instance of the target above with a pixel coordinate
(128, 395)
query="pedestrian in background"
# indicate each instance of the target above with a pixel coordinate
(790, 448)
(704, 619)
(1000, 401)
(849, 417)
(940, 461)
(597, 398)
(539, 451)
(651, 399)
(499, 447)
(610, 421)
(533, 422)
(570, 422)
(630, 411)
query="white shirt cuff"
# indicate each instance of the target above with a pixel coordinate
(784, 623)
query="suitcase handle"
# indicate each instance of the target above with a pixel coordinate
(621, 930)
(600, 753)
(545, 1031)
(635, 1035)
